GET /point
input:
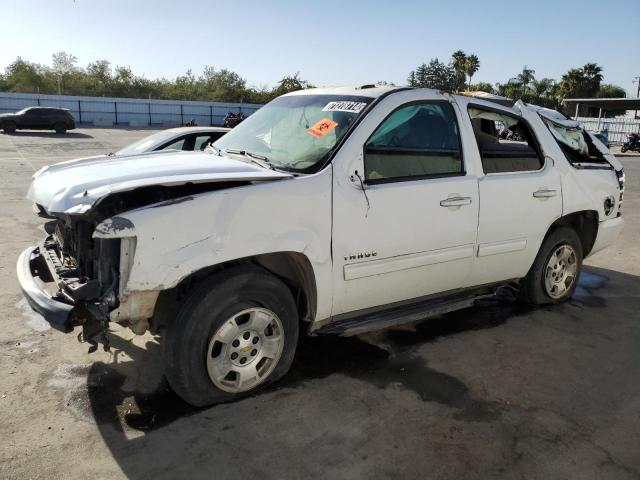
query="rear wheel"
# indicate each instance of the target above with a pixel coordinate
(235, 333)
(554, 275)
(9, 127)
(60, 127)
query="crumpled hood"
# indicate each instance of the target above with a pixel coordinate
(85, 160)
(74, 187)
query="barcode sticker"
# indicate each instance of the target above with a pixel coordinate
(351, 107)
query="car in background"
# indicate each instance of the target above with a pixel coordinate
(172, 140)
(38, 118)
(185, 139)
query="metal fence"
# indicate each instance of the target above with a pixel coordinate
(618, 128)
(109, 111)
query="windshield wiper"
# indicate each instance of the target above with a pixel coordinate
(254, 157)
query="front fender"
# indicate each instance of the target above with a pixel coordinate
(176, 239)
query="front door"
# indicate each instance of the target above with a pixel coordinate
(405, 206)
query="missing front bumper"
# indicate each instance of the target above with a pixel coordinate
(31, 268)
(35, 276)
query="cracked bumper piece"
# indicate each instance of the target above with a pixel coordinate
(30, 266)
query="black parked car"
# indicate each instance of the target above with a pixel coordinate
(38, 118)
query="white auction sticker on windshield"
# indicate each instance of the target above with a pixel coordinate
(351, 107)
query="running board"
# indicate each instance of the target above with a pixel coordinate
(360, 322)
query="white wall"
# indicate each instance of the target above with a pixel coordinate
(128, 111)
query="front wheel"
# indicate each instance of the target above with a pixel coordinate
(553, 277)
(623, 148)
(60, 128)
(235, 333)
(9, 127)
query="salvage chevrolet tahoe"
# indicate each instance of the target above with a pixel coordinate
(330, 210)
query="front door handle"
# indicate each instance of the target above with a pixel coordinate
(545, 193)
(455, 201)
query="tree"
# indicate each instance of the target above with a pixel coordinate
(581, 83)
(592, 74)
(291, 83)
(98, 78)
(458, 62)
(544, 92)
(608, 90)
(22, 76)
(411, 79)
(224, 85)
(63, 64)
(436, 75)
(482, 87)
(471, 66)
(525, 77)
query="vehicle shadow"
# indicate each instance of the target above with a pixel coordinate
(47, 134)
(152, 433)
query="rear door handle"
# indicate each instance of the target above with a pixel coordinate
(545, 193)
(455, 201)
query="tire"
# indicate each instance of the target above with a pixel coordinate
(9, 127)
(623, 149)
(231, 306)
(547, 271)
(60, 128)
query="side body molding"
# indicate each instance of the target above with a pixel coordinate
(403, 262)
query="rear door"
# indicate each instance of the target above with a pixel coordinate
(520, 193)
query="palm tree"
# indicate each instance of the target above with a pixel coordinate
(458, 61)
(471, 66)
(526, 77)
(592, 73)
(544, 91)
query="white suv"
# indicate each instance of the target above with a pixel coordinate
(330, 210)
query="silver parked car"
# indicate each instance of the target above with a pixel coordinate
(181, 139)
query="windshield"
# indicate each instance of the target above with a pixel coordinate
(145, 143)
(296, 132)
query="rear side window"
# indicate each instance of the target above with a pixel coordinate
(419, 140)
(177, 145)
(505, 142)
(204, 140)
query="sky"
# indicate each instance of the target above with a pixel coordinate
(329, 42)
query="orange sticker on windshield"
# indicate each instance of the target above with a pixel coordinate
(323, 127)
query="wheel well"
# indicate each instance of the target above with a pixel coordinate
(293, 268)
(585, 224)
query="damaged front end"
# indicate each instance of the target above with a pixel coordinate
(72, 278)
(78, 275)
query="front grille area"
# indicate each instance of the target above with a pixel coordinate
(88, 268)
(75, 245)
